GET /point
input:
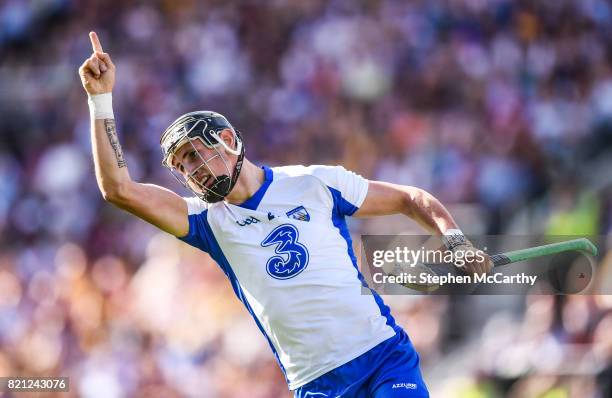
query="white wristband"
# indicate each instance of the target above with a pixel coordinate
(101, 106)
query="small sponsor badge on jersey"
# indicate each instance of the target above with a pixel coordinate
(299, 213)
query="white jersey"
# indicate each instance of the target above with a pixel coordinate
(288, 254)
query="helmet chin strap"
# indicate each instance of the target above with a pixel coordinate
(224, 184)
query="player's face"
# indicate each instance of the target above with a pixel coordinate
(200, 165)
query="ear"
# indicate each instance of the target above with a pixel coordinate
(228, 137)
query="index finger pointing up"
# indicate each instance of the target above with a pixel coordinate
(95, 42)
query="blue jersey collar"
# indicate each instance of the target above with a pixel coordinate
(252, 202)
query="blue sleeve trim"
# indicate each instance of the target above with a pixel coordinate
(342, 206)
(197, 233)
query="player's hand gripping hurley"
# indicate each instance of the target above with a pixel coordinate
(582, 245)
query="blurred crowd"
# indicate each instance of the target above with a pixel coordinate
(500, 108)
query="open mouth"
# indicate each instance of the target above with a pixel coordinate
(208, 181)
(201, 182)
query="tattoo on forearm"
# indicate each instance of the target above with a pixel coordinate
(111, 132)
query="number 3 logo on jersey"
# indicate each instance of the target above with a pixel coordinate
(293, 256)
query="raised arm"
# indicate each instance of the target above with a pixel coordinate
(385, 199)
(157, 205)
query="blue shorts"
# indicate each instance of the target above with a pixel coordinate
(389, 370)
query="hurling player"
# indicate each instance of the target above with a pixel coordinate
(280, 236)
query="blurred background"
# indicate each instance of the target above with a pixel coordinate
(500, 108)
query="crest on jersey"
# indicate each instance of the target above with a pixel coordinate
(299, 213)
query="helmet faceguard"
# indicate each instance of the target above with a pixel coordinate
(205, 127)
